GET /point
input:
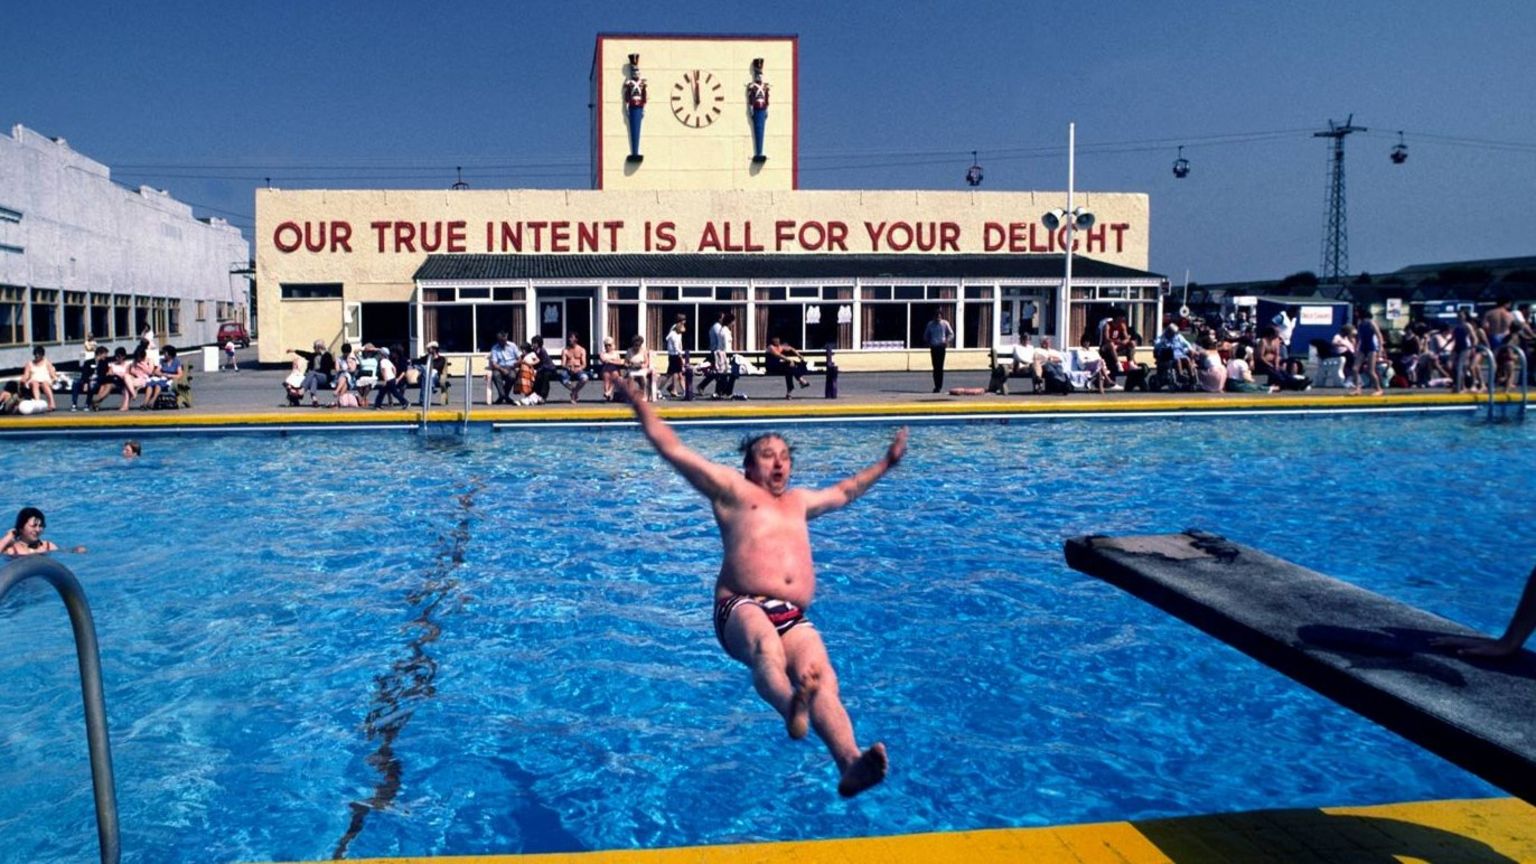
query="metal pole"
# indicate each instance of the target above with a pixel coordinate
(469, 378)
(89, 655)
(1064, 305)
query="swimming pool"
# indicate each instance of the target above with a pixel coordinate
(372, 644)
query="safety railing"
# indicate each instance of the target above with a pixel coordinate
(63, 581)
(1492, 378)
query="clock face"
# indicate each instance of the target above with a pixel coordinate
(698, 99)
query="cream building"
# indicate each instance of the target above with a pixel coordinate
(697, 214)
(80, 254)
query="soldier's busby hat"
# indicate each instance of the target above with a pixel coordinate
(757, 64)
(634, 60)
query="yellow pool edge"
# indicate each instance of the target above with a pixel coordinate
(787, 410)
(1479, 829)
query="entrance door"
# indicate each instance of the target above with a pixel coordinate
(561, 315)
(1022, 317)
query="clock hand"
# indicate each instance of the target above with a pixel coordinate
(695, 90)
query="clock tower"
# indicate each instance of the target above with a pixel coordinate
(693, 112)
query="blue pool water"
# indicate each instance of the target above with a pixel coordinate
(375, 645)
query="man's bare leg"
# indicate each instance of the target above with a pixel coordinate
(751, 638)
(812, 669)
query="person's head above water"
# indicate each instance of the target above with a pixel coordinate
(768, 460)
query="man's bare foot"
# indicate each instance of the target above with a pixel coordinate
(799, 720)
(866, 771)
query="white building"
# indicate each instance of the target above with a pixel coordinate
(81, 255)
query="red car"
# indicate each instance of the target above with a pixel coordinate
(234, 331)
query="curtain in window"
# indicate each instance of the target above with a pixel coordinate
(1075, 326)
(760, 339)
(983, 313)
(654, 334)
(868, 321)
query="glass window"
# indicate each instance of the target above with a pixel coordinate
(805, 292)
(173, 318)
(507, 295)
(474, 293)
(664, 315)
(770, 293)
(828, 323)
(976, 325)
(698, 292)
(885, 325)
(978, 292)
(322, 290)
(45, 315)
(922, 313)
(877, 292)
(493, 318)
(784, 320)
(452, 326)
(12, 315)
(202, 309)
(623, 292)
(662, 293)
(910, 292)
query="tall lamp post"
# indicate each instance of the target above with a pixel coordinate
(1074, 218)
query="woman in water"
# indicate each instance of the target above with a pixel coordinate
(27, 537)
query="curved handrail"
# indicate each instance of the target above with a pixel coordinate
(1493, 370)
(1525, 378)
(63, 581)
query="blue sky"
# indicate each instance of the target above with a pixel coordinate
(206, 99)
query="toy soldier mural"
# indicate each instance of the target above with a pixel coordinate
(757, 104)
(634, 106)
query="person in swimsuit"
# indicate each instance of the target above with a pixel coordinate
(767, 581)
(27, 537)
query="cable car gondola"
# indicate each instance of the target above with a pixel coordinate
(1400, 152)
(1181, 165)
(973, 174)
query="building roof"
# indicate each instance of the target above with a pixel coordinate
(613, 267)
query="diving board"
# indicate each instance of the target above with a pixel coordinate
(1369, 653)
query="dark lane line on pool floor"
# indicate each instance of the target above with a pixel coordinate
(410, 680)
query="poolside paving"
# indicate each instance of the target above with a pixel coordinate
(253, 397)
(1476, 831)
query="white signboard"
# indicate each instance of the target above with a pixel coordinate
(1394, 308)
(1316, 315)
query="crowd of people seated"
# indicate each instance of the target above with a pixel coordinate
(1236, 355)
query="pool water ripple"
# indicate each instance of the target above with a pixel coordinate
(527, 617)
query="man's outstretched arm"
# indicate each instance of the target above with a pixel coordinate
(709, 478)
(845, 491)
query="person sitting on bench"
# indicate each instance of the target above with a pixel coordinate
(783, 359)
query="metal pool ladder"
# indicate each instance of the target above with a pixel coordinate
(63, 581)
(1525, 381)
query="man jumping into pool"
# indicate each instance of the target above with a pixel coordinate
(767, 581)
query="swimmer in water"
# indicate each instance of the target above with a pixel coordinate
(27, 537)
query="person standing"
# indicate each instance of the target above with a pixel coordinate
(937, 336)
(1369, 338)
(677, 357)
(767, 581)
(1027, 314)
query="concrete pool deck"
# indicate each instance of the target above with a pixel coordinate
(253, 399)
(1476, 831)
